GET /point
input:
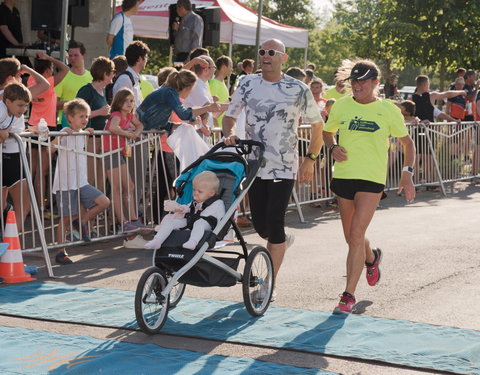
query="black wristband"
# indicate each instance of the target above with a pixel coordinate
(332, 147)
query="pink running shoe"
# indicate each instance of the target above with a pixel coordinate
(373, 271)
(347, 301)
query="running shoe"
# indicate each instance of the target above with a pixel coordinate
(289, 239)
(347, 301)
(138, 242)
(373, 270)
(62, 258)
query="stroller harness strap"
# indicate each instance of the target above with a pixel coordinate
(194, 214)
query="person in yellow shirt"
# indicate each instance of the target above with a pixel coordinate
(75, 79)
(364, 123)
(339, 91)
(217, 86)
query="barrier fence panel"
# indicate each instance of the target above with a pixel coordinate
(137, 178)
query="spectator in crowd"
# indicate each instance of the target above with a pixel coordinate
(476, 149)
(459, 74)
(102, 71)
(425, 100)
(121, 65)
(12, 107)
(44, 107)
(337, 92)
(166, 161)
(390, 88)
(471, 88)
(137, 56)
(197, 52)
(124, 125)
(70, 183)
(425, 110)
(365, 122)
(156, 109)
(188, 33)
(316, 87)
(217, 85)
(296, 72)
(200, 95)
(10, 29)
(309, 76)
(247, 67)
(422, 158)
(311, 66)
(120, 34)
(275, 104)
(456, 105)
(75, 79)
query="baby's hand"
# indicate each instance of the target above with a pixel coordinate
(171, 206)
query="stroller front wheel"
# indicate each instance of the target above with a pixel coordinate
(151, 308)
(257, 281)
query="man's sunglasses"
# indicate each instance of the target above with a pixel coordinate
(270, 52)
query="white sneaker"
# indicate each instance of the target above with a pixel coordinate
(137, 242)
(289, 239)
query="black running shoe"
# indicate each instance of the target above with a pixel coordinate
(62, 258)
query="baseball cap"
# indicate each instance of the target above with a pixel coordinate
(362, 72)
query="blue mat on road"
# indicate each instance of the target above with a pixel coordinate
(28, 352)
(393, 341)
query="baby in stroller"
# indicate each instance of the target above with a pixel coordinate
(200, 215)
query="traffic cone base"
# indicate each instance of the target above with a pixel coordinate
(11, 263)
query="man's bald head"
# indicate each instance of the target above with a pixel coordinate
(273, 44)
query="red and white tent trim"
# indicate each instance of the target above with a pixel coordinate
(238, 23)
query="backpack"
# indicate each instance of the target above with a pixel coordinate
(109, 87)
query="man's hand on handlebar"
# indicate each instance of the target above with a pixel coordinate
(231, 141)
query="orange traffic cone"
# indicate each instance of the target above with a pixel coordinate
(11, 263)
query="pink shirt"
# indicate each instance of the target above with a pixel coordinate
(45, 105)
(110, 142)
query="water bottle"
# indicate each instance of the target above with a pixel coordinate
(127, 152)
(42, 130)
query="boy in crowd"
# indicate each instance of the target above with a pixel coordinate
(70, 183)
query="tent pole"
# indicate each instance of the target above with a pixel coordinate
(259, 25)
(230, 47)
(306, 57)
(63, 34)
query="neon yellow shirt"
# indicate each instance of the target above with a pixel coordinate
(219, 89)
(334, 94)
(67, 89)
(145, 87)
(364, 130)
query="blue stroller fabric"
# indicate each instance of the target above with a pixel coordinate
(185, 179)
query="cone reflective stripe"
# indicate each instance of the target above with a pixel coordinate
(11, 263)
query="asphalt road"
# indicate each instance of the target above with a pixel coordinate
(429, 274)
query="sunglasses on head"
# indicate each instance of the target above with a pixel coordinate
(270, 52)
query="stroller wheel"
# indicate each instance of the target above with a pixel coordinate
(176, 294)
(257, 282)
(151, 308)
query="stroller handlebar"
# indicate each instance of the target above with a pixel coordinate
(243, 146)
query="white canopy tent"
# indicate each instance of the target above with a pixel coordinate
(238, 23)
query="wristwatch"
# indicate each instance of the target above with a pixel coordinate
(312, 156)
(408, 169)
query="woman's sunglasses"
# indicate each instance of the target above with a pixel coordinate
(270, 52)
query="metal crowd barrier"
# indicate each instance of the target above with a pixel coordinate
(445, 152)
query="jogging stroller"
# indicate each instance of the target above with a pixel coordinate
(162, 286)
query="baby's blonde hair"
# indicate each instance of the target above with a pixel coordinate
(209, 177)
